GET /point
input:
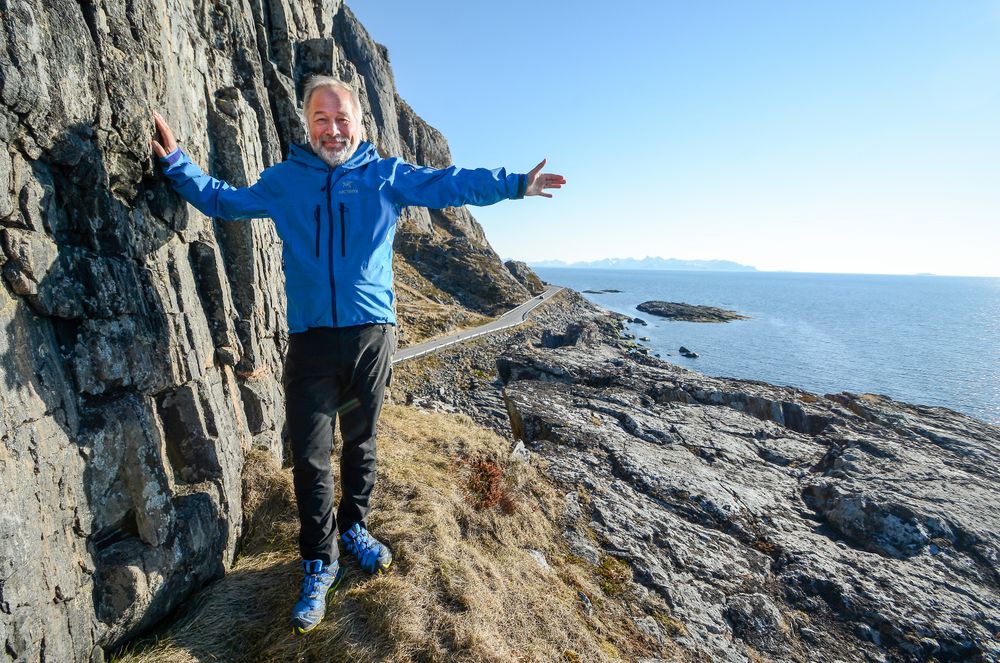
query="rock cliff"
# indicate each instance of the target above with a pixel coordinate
(141, 343)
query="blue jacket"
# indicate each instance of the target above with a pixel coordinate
(337, 224)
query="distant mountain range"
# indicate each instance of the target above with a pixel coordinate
(650, 263)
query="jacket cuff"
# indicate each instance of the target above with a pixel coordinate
(173, 157)
(522, 186)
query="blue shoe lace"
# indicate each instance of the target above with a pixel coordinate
(372, 554)
(313, 583)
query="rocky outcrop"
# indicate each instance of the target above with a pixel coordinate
(689, 312)
(776, 523)
(464, 269)
(525, 276)
(142, 343)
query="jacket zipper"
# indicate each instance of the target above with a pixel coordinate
(317, 231)
(329, 213)
(343, 232)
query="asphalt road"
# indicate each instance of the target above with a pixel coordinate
(511, 318)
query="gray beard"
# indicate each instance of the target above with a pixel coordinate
(332, 158)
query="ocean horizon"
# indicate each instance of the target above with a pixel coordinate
(919, 338)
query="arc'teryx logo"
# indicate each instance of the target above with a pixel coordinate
(347, 188)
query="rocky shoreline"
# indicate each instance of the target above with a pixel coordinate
(777, 524)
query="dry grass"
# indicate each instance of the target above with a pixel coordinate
(463, 586)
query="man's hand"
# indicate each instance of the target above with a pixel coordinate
(539, 181)
(167, 143)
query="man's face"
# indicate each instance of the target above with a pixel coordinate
(334, 131)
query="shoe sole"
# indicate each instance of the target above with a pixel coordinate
(298, 630)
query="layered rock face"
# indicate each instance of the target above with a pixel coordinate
(777, 524)
(141, 343)
(526, 276)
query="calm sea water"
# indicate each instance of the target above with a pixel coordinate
(931, 340)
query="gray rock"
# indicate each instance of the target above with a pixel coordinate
(519, 452)
(650, 627)
(525, 276)
(756, 621)
(586, 604)
(540, 560)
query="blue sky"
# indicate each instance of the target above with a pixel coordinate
(801, 136)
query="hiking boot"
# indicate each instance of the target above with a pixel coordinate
(319, 581)
(373, 555)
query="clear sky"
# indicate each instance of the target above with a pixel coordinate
(828, 136)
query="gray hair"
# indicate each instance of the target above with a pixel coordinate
(318, 82)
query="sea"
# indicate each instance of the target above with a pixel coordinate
(929, 340)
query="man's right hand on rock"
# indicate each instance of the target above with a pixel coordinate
(167, 143)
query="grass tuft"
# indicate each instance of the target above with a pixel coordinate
(615, 576)
(672, 626)
(490, 485)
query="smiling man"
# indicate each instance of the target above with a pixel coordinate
(334, 203)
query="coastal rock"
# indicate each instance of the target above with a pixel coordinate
(757, 511)
(689, 312)
(581, 332)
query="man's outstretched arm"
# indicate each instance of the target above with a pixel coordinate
(211, 196)
(453, 186)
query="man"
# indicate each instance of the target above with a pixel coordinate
(334, 203)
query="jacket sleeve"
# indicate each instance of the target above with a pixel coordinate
(453, 186)
(214, 197)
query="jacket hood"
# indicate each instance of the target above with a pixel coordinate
(304, 154)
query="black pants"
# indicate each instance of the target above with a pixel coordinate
(332, 372)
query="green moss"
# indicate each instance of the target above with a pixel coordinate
(672, 626)
(614, 575)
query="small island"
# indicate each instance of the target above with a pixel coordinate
(689, 312)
